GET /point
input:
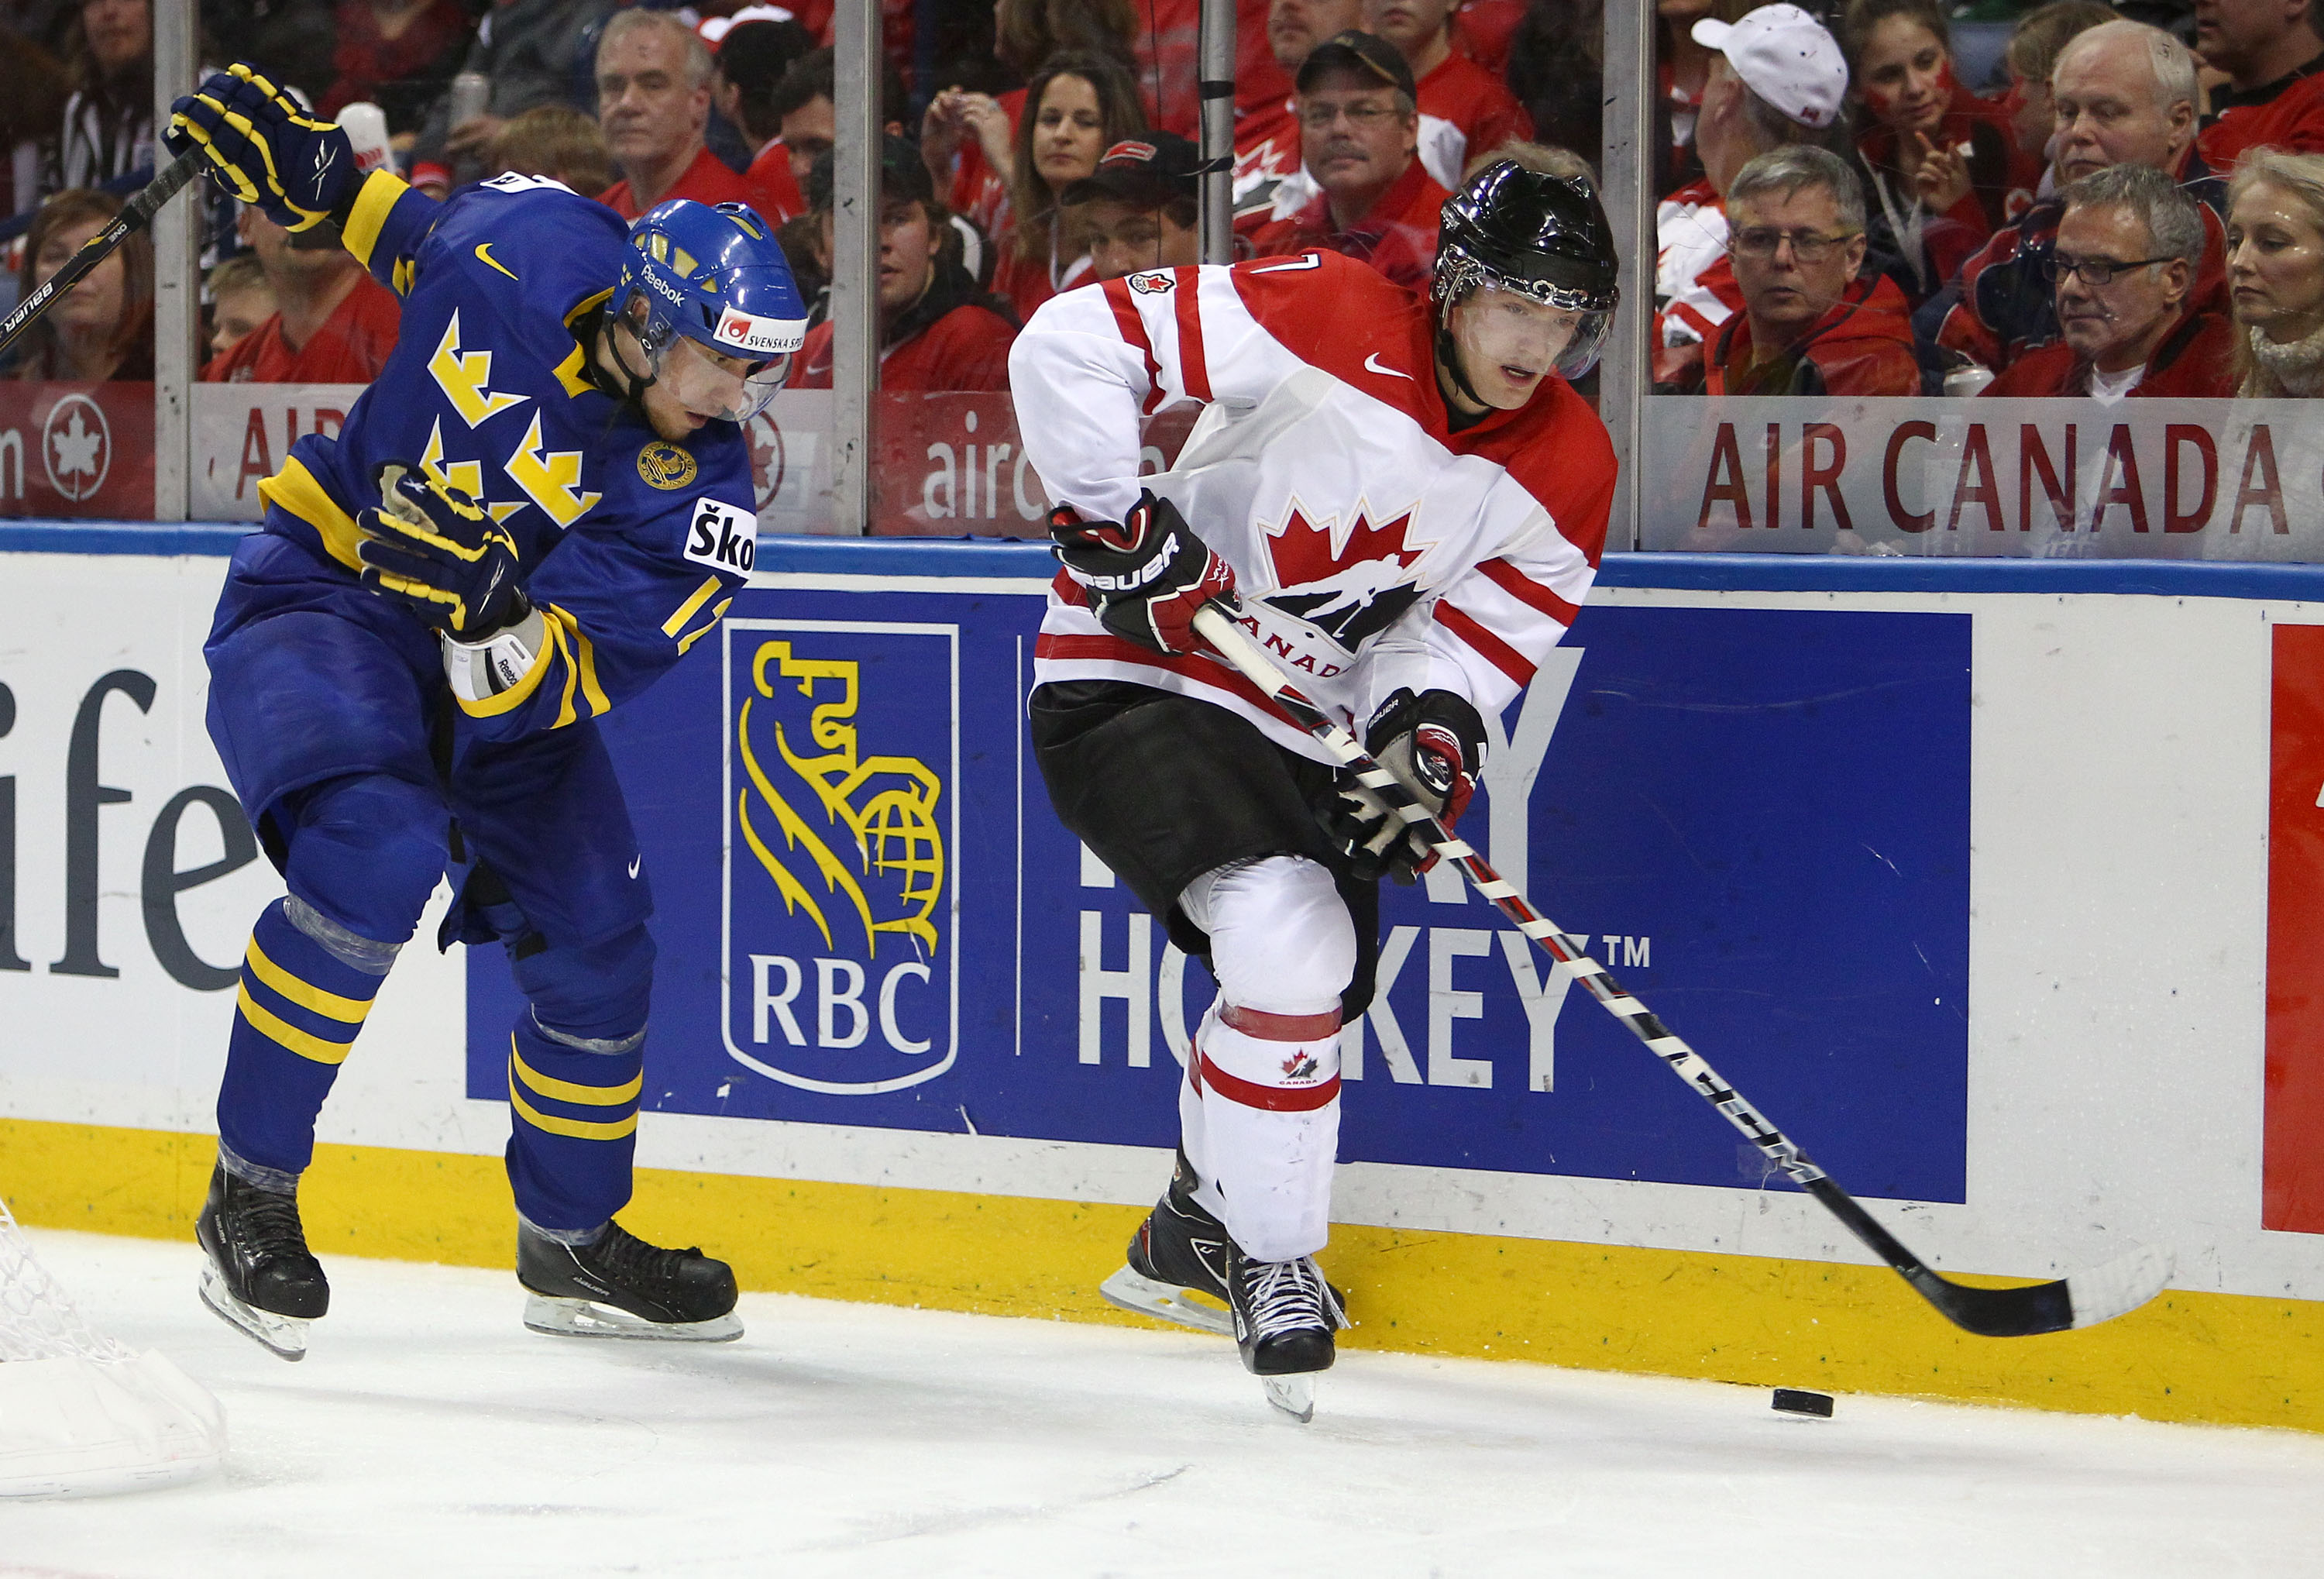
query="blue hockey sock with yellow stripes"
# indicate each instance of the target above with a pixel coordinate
(573, 1103)
(295, 1019)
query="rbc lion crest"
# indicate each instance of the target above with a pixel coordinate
(840, 855)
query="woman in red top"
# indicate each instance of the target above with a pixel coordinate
(1076, 106)
(101, 330)
(1940, 161)
(966, 136)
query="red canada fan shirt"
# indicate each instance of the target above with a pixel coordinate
(1374, 546)
(1476, 101)
(706, 180)
(1397, 235)
(350, 348)
(2287, 115)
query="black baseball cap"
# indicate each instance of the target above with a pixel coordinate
(753, 55)
(1145, 172)
(1365, 54)
(901, 175)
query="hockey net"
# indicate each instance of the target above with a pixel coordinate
(80, 1413)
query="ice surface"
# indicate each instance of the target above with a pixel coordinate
(428, 1433)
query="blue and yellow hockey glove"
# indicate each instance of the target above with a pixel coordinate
(440, 554)
(265, 150)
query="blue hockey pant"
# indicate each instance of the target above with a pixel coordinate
(330, 711)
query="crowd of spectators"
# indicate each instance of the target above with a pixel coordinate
(2111, 200)
(1851, 218)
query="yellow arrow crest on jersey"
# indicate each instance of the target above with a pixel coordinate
(551, 477)
(464, 377)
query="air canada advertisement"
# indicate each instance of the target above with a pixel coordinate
(2013, 478)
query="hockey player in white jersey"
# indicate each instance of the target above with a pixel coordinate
(1405, 502)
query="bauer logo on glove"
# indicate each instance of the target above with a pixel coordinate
(1147, 575)
(434, 549)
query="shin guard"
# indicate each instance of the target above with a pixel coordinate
(1260, 1120)
(574, 1103)
(295, 1019)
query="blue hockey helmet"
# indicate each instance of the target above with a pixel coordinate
(715, 276)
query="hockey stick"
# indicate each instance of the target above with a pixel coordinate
(134, 215)
(2083, 1300)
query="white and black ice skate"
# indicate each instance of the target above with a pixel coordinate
(1285, 1316)
(258, 1274)
(621, 1286)
(1177, 1266)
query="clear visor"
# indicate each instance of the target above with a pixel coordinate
(725, 388)
(1517, 331)
(1587, 344)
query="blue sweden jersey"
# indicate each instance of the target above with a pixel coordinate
(630, 544)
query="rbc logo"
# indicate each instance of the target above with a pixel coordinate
(841, 851)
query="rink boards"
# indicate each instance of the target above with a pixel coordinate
(1961, 872)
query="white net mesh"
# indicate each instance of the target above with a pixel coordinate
(79, 1413)
(37, 1322)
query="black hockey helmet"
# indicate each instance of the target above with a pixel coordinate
(1542, 236)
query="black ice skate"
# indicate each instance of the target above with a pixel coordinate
(624, 1287)
(259, 1276)
(1179, 1251)
(1284, 1315)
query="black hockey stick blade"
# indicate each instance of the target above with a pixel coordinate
(2084, 1299)
(2087, 1297)
(134, 215)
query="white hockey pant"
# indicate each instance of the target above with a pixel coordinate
(1259, 1113)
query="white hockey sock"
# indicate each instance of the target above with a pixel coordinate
(1260, 1122)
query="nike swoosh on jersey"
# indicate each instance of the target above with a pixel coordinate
(635, 862)
(484, 255)
(1372, 364)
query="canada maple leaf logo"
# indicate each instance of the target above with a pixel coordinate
(1305, 553)
(1349, 580)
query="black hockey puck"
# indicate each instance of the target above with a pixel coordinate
(1792, 1400)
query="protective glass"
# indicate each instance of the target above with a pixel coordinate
(710, 388)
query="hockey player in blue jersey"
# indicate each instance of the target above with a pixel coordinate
(540, 504)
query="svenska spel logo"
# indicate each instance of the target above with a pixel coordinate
(842, 852)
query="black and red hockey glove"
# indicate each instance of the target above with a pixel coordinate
(1434, 745)
(1146, 577)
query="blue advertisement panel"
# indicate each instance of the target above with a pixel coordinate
(868, 914)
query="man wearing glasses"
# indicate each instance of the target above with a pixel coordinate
(1810, 325)
(1359, 136)
(2124, 271)
(2124, 94)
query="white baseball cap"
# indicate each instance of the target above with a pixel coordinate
(1785, 56)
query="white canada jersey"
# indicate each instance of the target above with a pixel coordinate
(1374, 548)
(1691, 232)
